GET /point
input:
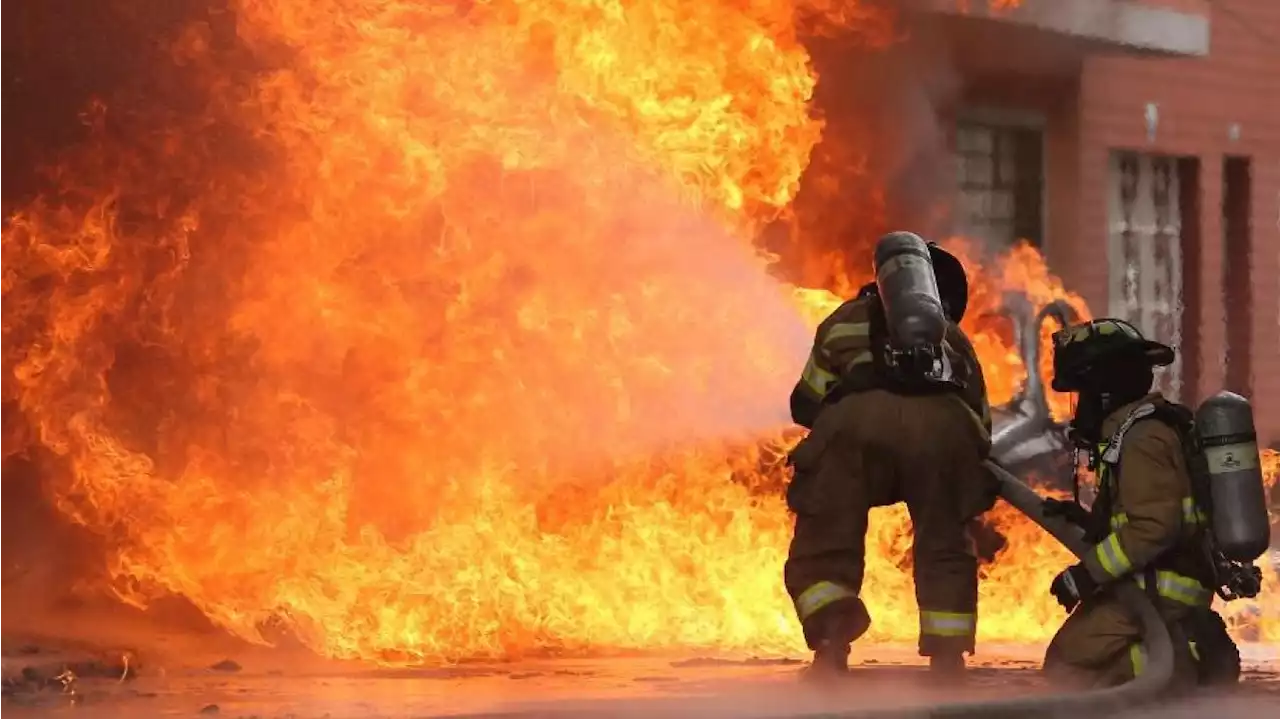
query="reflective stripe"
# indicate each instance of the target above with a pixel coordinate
(1112, 557)
(846, 329)
(818, 596)
(1177, 588)
(1195, 651)
(818, 379)
(1191, 515)
(1137, 658)
(948, 624)
(860, 358)
(1111, 455)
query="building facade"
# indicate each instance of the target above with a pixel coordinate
(1138, 144)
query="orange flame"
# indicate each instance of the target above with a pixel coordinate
(434, 333)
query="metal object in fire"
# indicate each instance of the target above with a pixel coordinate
(1026, 440)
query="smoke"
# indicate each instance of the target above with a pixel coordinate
(58, 56)
(884, 163)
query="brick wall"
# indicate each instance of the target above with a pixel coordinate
(1199, 7)
(1198, 100)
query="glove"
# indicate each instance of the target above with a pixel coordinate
(1068, 510)
(1072, 585)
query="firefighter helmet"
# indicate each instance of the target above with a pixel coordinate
(953, 283)
(1088, 349)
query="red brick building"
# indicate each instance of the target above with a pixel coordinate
(1138, 143)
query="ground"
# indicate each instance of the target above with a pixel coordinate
(204, 674)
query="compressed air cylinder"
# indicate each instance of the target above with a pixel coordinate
(1241, 529)
(909, 291)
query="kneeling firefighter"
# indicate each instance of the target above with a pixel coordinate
(897, 404)
(1180, 511)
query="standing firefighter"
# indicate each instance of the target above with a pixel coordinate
(1156, 519)
(897, 405)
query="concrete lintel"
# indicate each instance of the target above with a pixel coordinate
(1125, 23)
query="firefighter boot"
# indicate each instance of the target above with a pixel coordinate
(830, 632)
(830, 662)
(948, 668)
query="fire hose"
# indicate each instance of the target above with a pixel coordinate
(1155, 638)
(1145, 687)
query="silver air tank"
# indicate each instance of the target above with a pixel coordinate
(909, 291)
(1241, 529)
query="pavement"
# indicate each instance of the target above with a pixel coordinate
(209, 676)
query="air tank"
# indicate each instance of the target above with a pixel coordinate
(1241, 528)
(909, 291)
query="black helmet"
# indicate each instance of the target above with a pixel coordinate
(1091, 349)
(953, 283)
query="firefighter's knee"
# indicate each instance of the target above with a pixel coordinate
(1095, 646)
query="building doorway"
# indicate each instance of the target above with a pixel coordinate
(1145, 252)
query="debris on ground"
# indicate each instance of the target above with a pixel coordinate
(36, 672)
(226, 665)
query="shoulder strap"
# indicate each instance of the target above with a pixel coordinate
(1111, 455)
(1173, 415)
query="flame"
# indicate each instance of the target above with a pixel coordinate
(438, 331)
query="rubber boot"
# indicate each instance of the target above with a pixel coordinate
(948, 668)
(830, 633)
(830, 663)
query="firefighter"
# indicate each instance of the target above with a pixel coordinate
(1144, 524)
(876, 439)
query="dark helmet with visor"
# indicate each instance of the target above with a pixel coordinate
(1084, 355)
(953, 283)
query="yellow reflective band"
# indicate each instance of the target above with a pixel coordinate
(1191, 515)
(817, 379)
(1112, 557)
(1195, 651)
(1177, 588)
(860, 358)
(846, 329)
(948, 624)
(818, 596)
(1137, 658)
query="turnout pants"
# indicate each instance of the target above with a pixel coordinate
(873, 449)
(1100, 644)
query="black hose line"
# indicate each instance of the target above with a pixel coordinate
(1146, 686)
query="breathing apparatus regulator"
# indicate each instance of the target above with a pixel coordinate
(915, 320)
(1219, 441)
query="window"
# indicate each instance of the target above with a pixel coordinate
(1000, 178)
